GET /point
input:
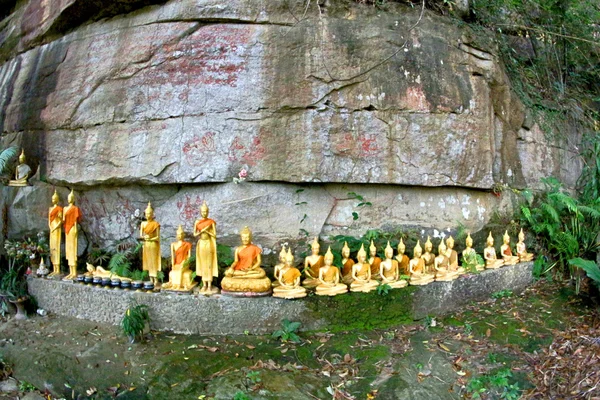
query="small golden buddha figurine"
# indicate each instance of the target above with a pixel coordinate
(506, 252)
(312, 264)
(451, 253)
(524, 256)
(428, 257)
(469, 254)
(416, 267)
(389, 270)
(489, 253)
(347, 264)
(402, 258)
(289, 280)
(71, 218)
(442, 265)
(22, 173)
(374, 261)
(150, 234)
(361, 274)
(278, 267)
(102, 273)
(245, 277)
(55, 222)
(329, 277)
(206, 250)
(180, 277)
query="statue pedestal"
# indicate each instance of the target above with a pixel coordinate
(246, 285)
(245, 294)
(179, 291)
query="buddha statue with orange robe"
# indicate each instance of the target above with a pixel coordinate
(289, 280)
(443, 272)
(205, 229)
(428, 257)
(245, 277)
(453, 257)
(416, 267)
(389, 270)
(71, 219)
(361, 274)
(150, 234)
(402, 258)
(347, 264)
(55, 223)
(489, 254)
(277, 268)
(506, 252)
(180, 276)
(524, 256)
(470, 256)
(374, 261)
(312, 264)
(329, 277)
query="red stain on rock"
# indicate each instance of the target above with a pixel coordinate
(347, 144)
(249, 153)
(416, 100)
(196, 149)
(98, 219)
(189, 210)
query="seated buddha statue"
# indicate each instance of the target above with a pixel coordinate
(416, 267)
(374, 261)
(245, 277)
(470, 257)
(428, 257)
(22, 173)
(312, 264)
(329, 278)
(524, 256)
(289, 280)
(278, 267)
(506, 252)
(453, 256)
(361, 274)
(180, 276)
(347, 264)
(389, 270)
(443, 272)
(489, 254)
(402, 258)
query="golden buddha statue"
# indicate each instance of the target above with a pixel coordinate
(443, 272)
(428, 257)
(102, 273)
(374, 261)
(402, 258)
(289, 280)
(180, 277)
(150, 234)
(55, 222)
(389, 270)
(451, 253)
(489, 254)
(278, 267)
(361, 274)
(524, 256)
(416, 267)
(312, 264)
(469, 254)
(245, 277)
(329, 277)
(22, 172)
(506, 252)
(206, 250)
(71, 218)
(347, 264)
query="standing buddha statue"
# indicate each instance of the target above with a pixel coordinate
(150, 234)
(55, 222)
(206, 250)
(71, 218)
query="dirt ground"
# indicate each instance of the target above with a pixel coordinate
(506, 347)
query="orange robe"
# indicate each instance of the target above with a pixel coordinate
(507, 251)
(290, 276)
(347, 269)
(151, 251)
(71, 216)
(403, 265)
(363, 271)
(375, 266)
(420, 267)
(54, 219)
(246, 257)
(391, 273)
(314, 269)
(181, 254)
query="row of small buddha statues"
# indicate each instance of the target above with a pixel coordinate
(245, 277)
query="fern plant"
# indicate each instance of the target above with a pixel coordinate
(134, 321)
(6, 157)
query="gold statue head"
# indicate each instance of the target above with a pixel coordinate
(417, 251)
(71, 197)
(22, 157)
(149, 212)
(361, 256)
(506, 238)
(389, 251)
(428, 245)
(289, 258)
(442, 248)
(204, 210)
(345, 250)
(401, 247)
(469, 240)
(180, 233)
(521, 236)
(328, 256)
(315, 246)
(282, 254)
(372, 249)
(246, 236)
(490, 240)
(55, 197)
(450, 242)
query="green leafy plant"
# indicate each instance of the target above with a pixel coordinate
(239, 395)
(134, 321)
(361, 203)
(253, 377)
(288, 331)
(121, 262)
(471, 260)
(6, 158)
(139, 275)
(496, 384)
(590, 267)
(502, 294)
(383, 289)
(25, 386)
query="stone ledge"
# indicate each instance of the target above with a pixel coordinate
(190, 314)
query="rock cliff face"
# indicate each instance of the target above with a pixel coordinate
(165, 101)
